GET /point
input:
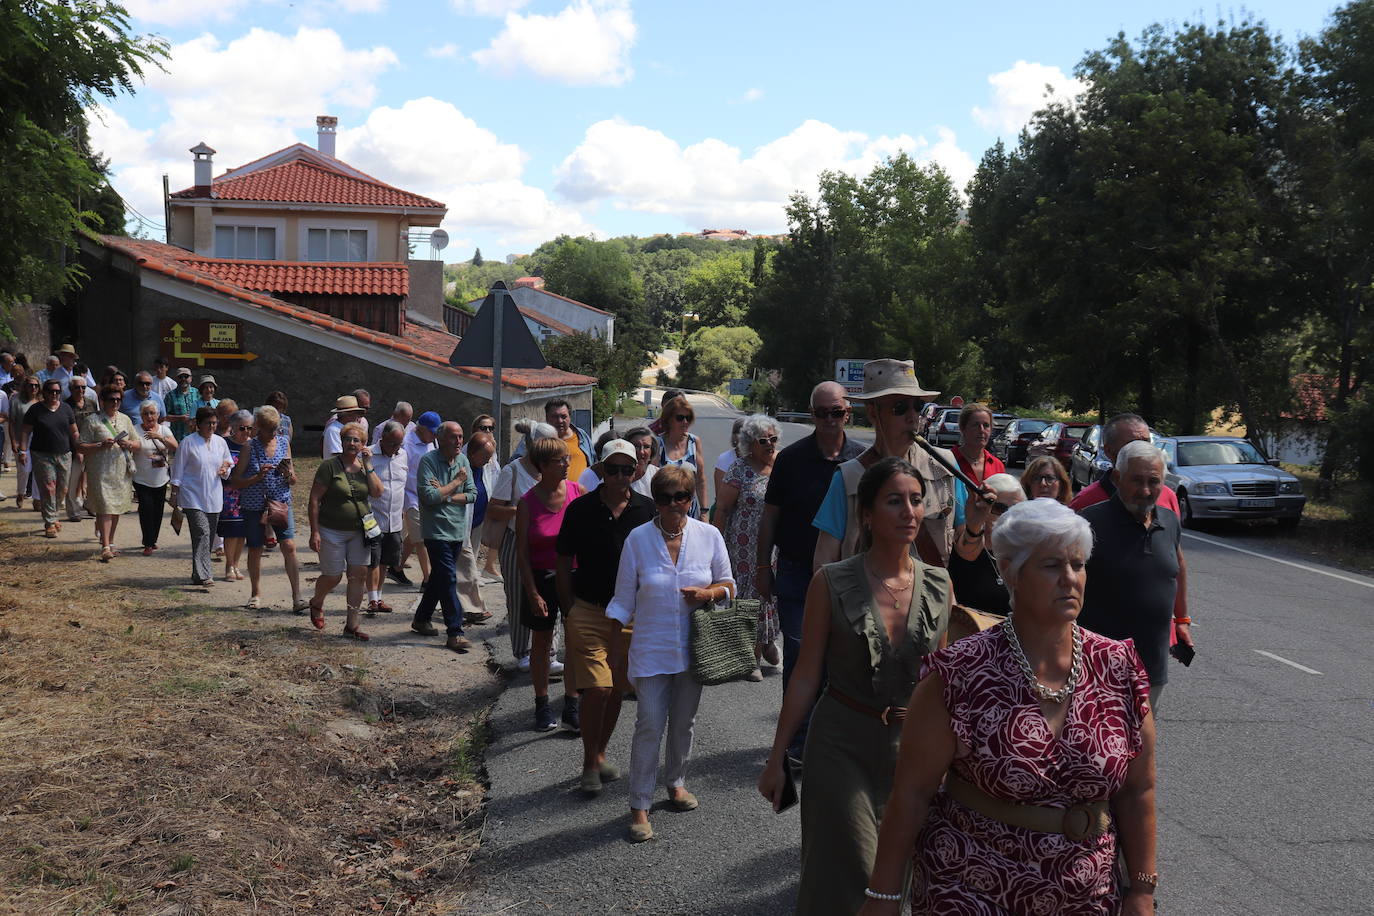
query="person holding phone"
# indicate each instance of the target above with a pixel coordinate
(265, 475)
(869, 621)
(972, 563)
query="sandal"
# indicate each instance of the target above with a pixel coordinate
(254, 603)
(317, 616)
(356, 633)
(299, 606)
(106, 555)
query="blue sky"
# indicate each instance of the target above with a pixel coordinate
(529, 118)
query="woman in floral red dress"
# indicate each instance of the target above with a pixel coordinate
(1042, 735)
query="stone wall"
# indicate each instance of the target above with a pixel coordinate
(29, 332)
(120, 320)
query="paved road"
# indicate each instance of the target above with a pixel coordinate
(1265, 795)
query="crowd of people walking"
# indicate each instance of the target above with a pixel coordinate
(1010, 770)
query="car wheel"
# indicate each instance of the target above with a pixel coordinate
(1185, 510)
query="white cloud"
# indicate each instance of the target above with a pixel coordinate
(711, 183)
(428, 142)
(488, 7)
(1019, 92)
(587, 43)
(751, 95)
(445, 50)
(180, 12)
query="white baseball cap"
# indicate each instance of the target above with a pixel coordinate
(619, 447)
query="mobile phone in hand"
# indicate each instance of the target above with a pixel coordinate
(1184, 653)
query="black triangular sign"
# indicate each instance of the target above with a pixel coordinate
(518, 347)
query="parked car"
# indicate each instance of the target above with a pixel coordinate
(944, 429)
(1057, 441)
(1227, 477)
(1089, 462)
(928, 415)
(1013, 440)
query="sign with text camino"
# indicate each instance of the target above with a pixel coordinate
(203, 342)
(850, 374)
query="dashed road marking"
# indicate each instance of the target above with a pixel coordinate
(1280, 658)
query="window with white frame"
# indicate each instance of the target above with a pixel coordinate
(336, 245)
(249, 242)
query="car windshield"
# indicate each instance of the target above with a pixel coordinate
(1238, 451)
(1031, 426)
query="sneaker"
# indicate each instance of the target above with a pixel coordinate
(555, 667)
(544, 720)
(572, 708)
(754, 676)
(380, 607)
(523, 663)
(398, 576)
(490, 578)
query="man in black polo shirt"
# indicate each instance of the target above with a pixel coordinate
(594, 529)
(1133, 571)
(796, 488)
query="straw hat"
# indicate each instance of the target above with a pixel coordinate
(346, 404)
(891, 376)
(66, 348)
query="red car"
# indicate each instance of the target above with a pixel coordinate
(1057, 440)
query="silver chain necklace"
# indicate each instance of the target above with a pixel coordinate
(669, 535)
(1040, 690)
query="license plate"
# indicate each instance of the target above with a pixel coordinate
(1257, 504)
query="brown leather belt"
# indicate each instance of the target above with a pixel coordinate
(892, 715)
(1080, 822)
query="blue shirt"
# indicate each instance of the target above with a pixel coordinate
(129, 406)
(833, 513)
(479, 508)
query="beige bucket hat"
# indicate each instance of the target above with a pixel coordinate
(346, 404)
(891, 376)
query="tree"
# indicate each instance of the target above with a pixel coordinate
(715, 355)
(613, 367)
(477, 258)
(59, 59)
(719, 291)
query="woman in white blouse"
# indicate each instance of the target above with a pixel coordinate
(668, 567)
(201, 463)
(156, 444)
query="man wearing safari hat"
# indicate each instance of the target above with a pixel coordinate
(346, 410)
(66, 357)
(894, 398)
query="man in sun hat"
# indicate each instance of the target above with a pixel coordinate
(894, 399)
(207, 386)
(66, 358)
(182, 404)
(346, 410)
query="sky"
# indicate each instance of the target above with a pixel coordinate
(533, 118)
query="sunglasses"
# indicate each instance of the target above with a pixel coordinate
(829, 413)
(30, 384)
(899, 408)
(112, 397)
(771, 440)
(486, 429)
(683, 418)
(619, 470)
(681, 496)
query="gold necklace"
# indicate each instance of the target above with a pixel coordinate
(894, 593)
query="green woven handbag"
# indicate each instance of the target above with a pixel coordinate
(722, 640)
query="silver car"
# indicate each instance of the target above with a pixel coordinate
(1227, 477)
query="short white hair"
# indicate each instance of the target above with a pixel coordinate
(1033, 524)
(1139, 450)
(753, 427)
(1003, 484)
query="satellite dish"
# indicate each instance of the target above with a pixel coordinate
(438, 240)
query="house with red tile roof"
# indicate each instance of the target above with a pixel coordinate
(291, 273)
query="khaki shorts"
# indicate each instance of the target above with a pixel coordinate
(412, 526)
(588, 656)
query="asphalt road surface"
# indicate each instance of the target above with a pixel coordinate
(1265, 789)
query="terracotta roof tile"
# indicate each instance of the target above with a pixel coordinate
(417, 342)
(299, 181)
(374, 278)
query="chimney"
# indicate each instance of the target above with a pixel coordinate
(326, 127)
(204, 159)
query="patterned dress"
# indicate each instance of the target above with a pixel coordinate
(231, 524)
(970, 865)
(109, 471)
(741, 540)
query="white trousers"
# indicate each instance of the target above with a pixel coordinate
(665, 700)
(466, 570)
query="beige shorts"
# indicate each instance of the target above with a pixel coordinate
(412, 526)
(590, 659)
(340, 550)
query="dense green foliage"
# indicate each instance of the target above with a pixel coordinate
(714, 355)
(56, 60)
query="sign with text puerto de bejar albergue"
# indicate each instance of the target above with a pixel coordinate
(203, 342)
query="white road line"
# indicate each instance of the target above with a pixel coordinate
(1280, 658)
(1264, 556)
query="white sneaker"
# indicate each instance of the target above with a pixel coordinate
(523, 663)
(555, 666)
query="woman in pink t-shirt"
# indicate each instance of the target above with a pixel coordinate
(538, 517)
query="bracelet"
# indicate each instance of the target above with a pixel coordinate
(1140, 881)
(1188, 620)
(764, 566)
(870, 892)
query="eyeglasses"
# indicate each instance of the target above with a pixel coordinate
(683, 418)
(247, 428)
(619, 470)
(899, 408)
(112, 398)
(681, 496)
(771, 440)
(829, 413)
(1047, 479)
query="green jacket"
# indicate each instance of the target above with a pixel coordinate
(440, 518)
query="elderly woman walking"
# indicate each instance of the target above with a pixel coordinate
(869, 621)
(231, 527)
(338, 503)
(265, 475)
(202, 462)
(108, 441)
(668, 568)
(152, 471)
(739, 509)
(1028, 753)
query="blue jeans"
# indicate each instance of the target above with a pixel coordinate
(441, 589)
(789, 585)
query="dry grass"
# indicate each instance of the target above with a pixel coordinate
(1336, 530)
(160, 756)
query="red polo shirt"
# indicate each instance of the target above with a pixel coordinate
(991, 465)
